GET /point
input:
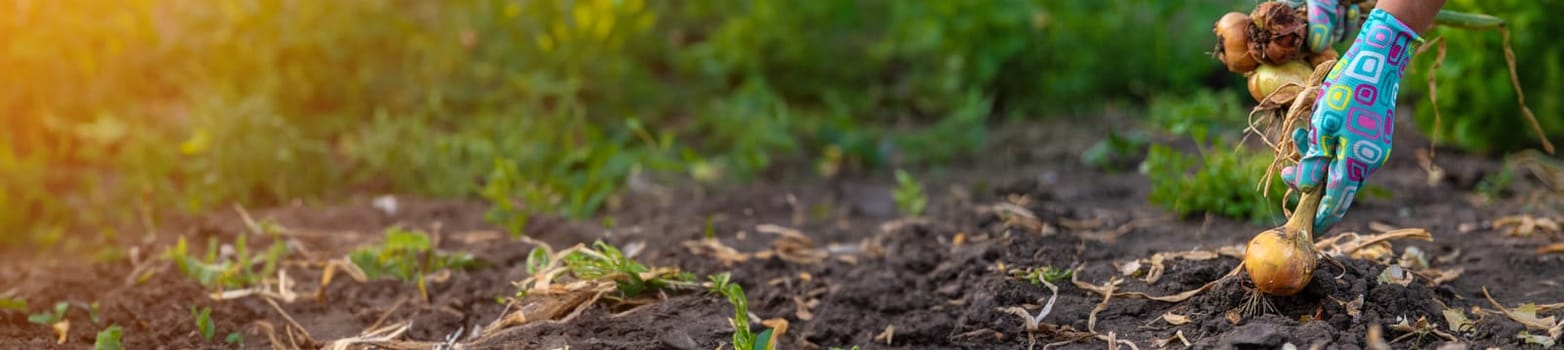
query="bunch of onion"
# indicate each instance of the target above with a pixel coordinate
(1266, 45)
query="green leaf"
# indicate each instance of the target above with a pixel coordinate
(50, 317)
(203, 319)
(109, 339)
(538, 260)
(763, 341)
(92, 312)
(235, 338)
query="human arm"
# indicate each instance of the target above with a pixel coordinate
(1349, 133)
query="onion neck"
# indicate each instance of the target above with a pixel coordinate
(1302, 220)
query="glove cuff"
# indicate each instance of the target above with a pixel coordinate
(1386, 37)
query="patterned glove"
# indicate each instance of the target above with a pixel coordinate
(1324, 18)
(1349, 133)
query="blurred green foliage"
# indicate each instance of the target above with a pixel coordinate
(1476, 99)
(1222, 178)
(547, 106)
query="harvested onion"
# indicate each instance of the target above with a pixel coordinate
(1315, 58)
(1279, 32)
(1232, 35)
(1281, 260)
(1268, 78)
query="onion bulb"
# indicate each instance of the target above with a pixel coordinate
(1268, 78)
(1232, 36)
(1315, 58)
(1279, 32)
(1281, 260)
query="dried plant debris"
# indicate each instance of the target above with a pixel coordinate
(1526, 314)
(1526, 225)
(1155, 265)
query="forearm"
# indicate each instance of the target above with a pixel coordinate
(1416, 14)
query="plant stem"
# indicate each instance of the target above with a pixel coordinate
(1470, 21)
(1302, 220)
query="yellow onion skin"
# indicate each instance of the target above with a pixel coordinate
(1315, 58)
(1281, 261)
(1279, 264)
(1232, 35)
(1269, 77)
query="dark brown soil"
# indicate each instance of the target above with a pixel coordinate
(934, 282)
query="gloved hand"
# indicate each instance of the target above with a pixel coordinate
(1349, 133)
(1325, 17)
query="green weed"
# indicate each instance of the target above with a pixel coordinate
(203, 321)
(408, 256)
(109, 339)
(13, 304)
(743, 338)
(1221, 182)
(93, 311)
(602, 262)
(1038, 275)
(908, 195)
(1220, 179)
(605, 260)
(244, 269)
(52, 316)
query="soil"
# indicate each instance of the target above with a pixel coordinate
(941, 281)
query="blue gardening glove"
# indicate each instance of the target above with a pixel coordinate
(1325, 21)
(1349, 133)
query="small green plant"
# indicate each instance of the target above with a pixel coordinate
(109, 339)
(243, 270)
(52, 316)
(855, 347)
(1052, 274)
(92, 312)
(407, 256)
(203, 320)
(909, 196)
(1039, 275)
(605, 260)
(13, 304)
(743, 338)
(1221, 182)
(602, 262)
(236, 339)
